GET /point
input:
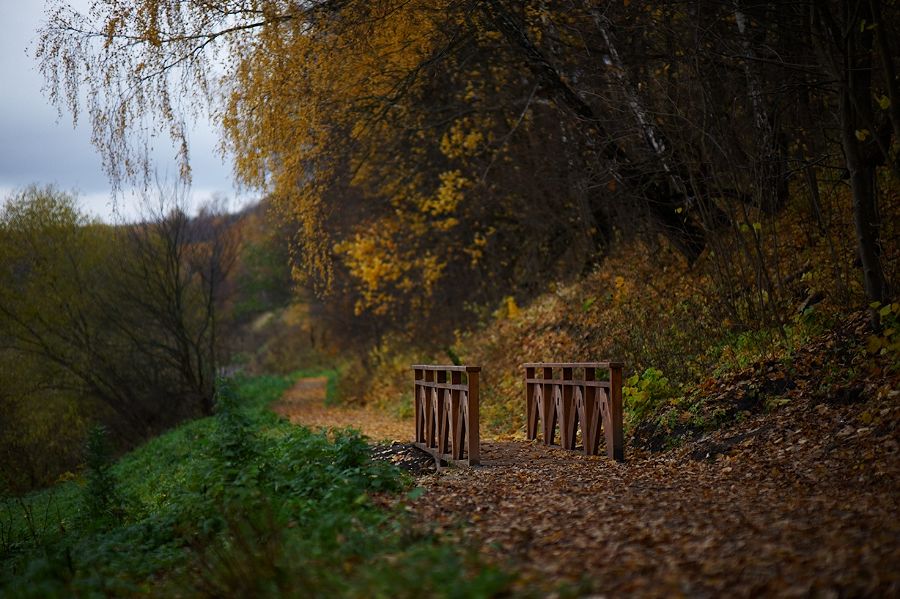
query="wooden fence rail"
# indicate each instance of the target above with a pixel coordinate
(447, 412)
(571, 402)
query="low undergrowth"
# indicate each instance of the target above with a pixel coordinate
(818, 360)
(689, 370)
(241, 503)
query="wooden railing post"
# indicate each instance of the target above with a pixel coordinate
(443, 423)
(615, 437)
(567, 414)
(590, 436)
(549, 408)
(418, 399)
(430, 433)
(457, 425)
(531, 410)
(473, 431)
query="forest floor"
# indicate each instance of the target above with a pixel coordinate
(801, 501)
(305, 404)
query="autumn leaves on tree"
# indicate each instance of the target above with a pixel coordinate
(438, 155)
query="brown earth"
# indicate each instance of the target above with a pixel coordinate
(804, 501)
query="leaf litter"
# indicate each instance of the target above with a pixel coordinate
(802, 501)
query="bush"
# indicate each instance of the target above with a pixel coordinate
(643, 395)
(886, 343)
(102, 499)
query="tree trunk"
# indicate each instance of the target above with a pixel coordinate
(860, 149)
(771, 181)
(664, 204)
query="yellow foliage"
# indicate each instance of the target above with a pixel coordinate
(449, 194)
(305, 89)
(388, 270)
(459, 142)
(465, 136)
(512, 310)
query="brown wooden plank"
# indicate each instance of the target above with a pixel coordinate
(473, 430)
(567, 430)
(450, 386)
(450, 368)
(573, 382)
(549, 408)
(531, 410)
(617, 451)
(573, 364)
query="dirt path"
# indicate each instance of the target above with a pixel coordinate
(670, 525)
(304, 403)
(797, 505)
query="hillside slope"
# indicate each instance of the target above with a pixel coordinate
(769, 480)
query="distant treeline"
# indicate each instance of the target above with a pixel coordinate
(101, 323)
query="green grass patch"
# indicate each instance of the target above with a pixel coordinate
(242, 503)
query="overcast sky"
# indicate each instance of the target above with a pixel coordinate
(37, 147)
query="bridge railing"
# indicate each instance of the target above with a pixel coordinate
(572, 396)
(446, 412)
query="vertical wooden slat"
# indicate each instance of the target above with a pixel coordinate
(456, 440)
(429, 410)
(617, 448)
(417, 403)
(442, 424)
(549, 409)
(443, 445)
(567, 413)
(590, 427)
(473, 431)
(531, 410)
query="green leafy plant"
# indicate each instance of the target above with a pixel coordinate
(236, 440)
(102, 497)
(643, 394)
(887, 341)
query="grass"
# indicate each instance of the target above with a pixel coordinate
(241, 503)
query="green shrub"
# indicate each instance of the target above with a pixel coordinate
(102, 499)
(642, 395)
(886, 342)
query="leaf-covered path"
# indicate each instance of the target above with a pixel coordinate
(304, 403)
(794, 504)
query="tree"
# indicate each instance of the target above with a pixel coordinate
(847, 34)
(119, 322)
(418, 144)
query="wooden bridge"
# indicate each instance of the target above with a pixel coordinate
(567, 395)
